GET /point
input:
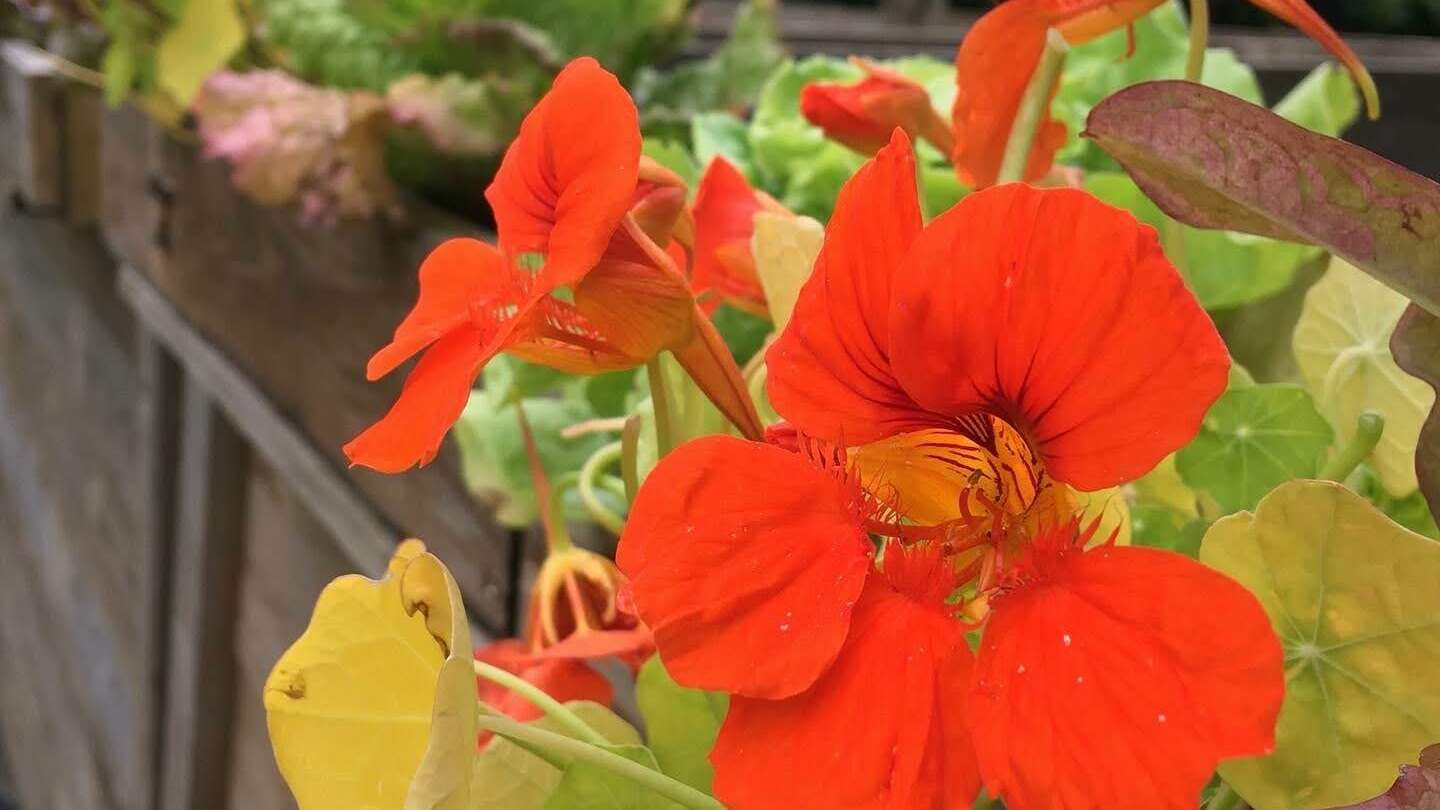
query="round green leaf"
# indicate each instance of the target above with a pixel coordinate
(1355, 599)
(1254, 438)
(1342, 345)
(681, 723)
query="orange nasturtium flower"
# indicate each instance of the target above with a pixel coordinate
(1000, 53)
(723, 266)
(863, 115)
(573, 192)
(1024, 337)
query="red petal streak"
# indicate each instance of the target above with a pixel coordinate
(746, 563)
(724, 213)
(433, 396)
(462, 280)
(569, 177)
(1119, 678)
(993, 67)
(1061, 315)
(829, 371)
(882, 728)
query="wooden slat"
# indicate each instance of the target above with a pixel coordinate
(366, 539)
(33, 94)
(212, 484)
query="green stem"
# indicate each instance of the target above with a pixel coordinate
(552, 708)
(629, 455)
(589, 473)
(660, 399)
(1225, 798)
(1199, 40)
(1033, 106)
(1172, 236)
(1368, 430)
(557, 533)
(578, 751)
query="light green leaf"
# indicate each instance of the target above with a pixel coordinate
(508, 777)
(785, 249)
(720, 133)
(681, 723)
(1325, 101)
(1354, 600)
(673, 156)
(589, 787)
(1253, 439)
(1342, 345)
(207, 34)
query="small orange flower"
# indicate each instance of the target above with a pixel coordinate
(863, 115)
(576, 610)
(1000, 53)
(724, 216)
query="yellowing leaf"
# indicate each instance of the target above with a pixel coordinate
(1342, 344)
(1354, 599)
(785, 248)
(1164, 486)
(1110, 507)
(374, 705)
(207, 34)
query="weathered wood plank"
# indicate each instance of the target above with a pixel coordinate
(33, 97)
(213, 481)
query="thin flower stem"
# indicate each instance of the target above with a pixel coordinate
(1199, 39)
(1368, 430)
(629, 455)
(1032, 109)
(1225, 798)
(660, 398)
(589, 474)
(552, 708)
(578, 751)
(557, 535)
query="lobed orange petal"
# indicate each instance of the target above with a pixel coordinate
(883, 727)
(1299, 14)
(863, 115)
(431, 400)
(570, 175)
(1061, 315)
(993, 67)
(724, 221)
(746, 562)
(1080, 21)
(829, 371)
(1120, 678)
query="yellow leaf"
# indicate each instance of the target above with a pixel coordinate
(374, 705)
(1163, 485)
(1110, 506)
(1354, 599)
(1342, 344)
(207, 34)
(785, 248)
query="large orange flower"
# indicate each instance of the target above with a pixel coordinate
(935, 379)
(573, 196)
(1000, 53)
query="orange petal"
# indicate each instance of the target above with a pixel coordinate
(863, 115)
(708, 361)
(993, 67)
(1299, 14)
(1061, 315)
(460, 281)
(829, 371)
(1080, 21)
(724, 216)
(882, 728)
(570, 176)
(433, 396)
(1119, 677)
(639, 308)
(746, 562)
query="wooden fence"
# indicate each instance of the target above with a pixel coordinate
(178, 370)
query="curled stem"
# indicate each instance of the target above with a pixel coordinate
(629, 456)
(552, 708)
(1032, 109)
(577, 751)
(1199, 39)
(664, 410)
(1368, 430)
(590, 473)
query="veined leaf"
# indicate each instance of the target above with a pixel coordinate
(1342, 344)
(374, 705)
(1253, 439)
(1325, 101)
(681, 724)
(1353, 598)
(508, 777)
(1214, 161)
(1418, 787)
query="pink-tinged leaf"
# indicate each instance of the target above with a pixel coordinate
(1418, 787)
(457, 115)
(1416, 347)
(293, 142)
(1212, 160)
